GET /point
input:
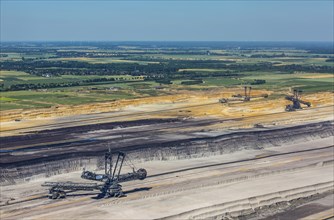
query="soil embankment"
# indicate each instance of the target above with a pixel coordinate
(18, 169)
(183, 99)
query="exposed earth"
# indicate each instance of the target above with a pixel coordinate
(224, 161)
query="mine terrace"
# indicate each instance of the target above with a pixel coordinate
(166, 130)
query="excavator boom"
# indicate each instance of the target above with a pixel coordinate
(110, 180)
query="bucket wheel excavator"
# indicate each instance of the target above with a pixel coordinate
(110, 181)
(296, 101)
(239, 97)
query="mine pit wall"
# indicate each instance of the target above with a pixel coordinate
(225, 144)
(193, 148)
(46, 169)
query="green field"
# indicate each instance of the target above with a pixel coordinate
(9, 78)
(101, 60)
(98, 92)
(37, 99)
(128, 90)
(98, 74)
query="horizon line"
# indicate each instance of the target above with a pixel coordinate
(10, 41)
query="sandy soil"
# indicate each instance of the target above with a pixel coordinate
(182, 99)
(185, 105)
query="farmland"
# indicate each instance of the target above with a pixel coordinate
(45, 76)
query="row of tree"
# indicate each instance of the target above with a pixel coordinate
(33, 86)
(171, 67)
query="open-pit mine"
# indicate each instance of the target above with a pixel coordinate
(167, 130)
(255, 164)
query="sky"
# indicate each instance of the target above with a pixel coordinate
(167, 20)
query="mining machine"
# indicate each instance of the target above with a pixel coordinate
(239, 97)
(140, 174)
(109, 186)
(247, 93)
(296, 101)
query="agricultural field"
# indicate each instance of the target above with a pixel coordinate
(49, 75)
(100, 60)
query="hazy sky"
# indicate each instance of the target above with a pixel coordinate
(166, 20)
